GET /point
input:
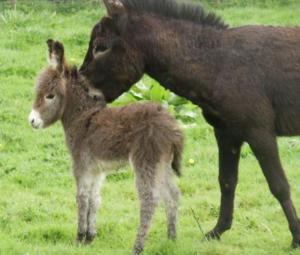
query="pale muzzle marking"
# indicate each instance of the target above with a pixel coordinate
(35, 119)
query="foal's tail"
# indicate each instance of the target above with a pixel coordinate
(177, 156)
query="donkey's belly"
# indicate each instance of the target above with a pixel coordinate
(111, 166)
(288, 124)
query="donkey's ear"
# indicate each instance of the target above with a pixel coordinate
(117, 15)
(56, 57)
(114, 7)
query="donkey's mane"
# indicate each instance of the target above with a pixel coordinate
(172, 9)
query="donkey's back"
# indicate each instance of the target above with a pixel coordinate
(262, 65)
(141, 132)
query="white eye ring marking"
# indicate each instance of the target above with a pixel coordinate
(100, 54)
(35, 119)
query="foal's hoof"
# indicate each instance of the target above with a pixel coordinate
(172, 235)
(137, 250)
(89, 238)
(80, 238)
(212, 235)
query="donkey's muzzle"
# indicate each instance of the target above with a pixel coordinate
(35, 119)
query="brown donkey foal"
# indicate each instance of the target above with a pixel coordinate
(100, 138)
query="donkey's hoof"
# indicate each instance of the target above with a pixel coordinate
(296, 244)
(80, 238)
(89, 238)
(172, 236)
(212, 235)
(137, 250)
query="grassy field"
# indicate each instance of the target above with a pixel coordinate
(37, 191)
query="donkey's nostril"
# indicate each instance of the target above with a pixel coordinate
(32, 121)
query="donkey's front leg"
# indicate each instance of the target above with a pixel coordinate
(94, 202)
(229, 154)
(83, 181)
(264, 145)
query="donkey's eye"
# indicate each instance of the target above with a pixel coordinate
(101, 48)
(50, 96)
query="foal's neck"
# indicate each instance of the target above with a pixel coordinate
(183, 56)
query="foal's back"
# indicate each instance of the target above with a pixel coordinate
(145, 130)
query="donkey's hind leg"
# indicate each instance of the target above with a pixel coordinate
(149, 197)
(264, 146)
(170, 194)
(94, 202)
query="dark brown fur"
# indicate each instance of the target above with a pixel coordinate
(246, 80)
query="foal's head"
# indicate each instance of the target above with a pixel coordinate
(50, 94)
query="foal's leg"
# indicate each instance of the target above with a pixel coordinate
(84, 182)
(148, 195)
(229, 155)
(94, 202)
(170, 194)
(264, 146)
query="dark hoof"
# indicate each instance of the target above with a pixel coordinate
(80, 238)
(296, 244)
(89, 238)
(212, 235)
(172, 237)
(172, 234)
(137, 250)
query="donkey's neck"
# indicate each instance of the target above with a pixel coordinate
(78, 102)
(183, 56)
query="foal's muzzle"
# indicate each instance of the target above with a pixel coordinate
(35, 119)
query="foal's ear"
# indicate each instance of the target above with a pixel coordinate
(114, 7)
(56, 57)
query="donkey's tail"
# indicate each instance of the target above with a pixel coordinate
(177, 156)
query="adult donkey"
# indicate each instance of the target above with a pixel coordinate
(246, 80)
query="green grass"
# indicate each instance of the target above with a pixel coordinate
(37, 192)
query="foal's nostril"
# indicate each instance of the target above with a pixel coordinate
(32, 121)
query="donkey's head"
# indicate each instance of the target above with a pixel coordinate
(112, 62)
(50, 94)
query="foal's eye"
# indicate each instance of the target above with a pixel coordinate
(50, 96)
